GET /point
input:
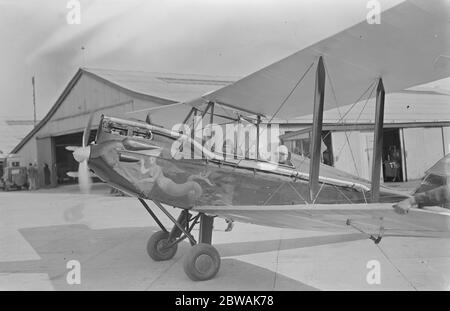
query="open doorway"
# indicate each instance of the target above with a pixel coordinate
(392, 156)
(64, 158)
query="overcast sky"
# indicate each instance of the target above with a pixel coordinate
(222, 37)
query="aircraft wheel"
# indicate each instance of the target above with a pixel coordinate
(156, 247)
(202, 262)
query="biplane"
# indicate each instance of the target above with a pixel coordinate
(409, 47)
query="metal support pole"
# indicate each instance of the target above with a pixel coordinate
(34, 100)
(194, 128)
(153, 215)
(377, 142)
(211, 117)
(316, 137)
(175, 222)
(206, 110)
(183, 220)
(206, 227)
(188, 116)
(258, 122)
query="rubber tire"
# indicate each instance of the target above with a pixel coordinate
(190, 264)
(154, 244)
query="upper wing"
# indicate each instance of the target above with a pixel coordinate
(369, 218)
(409, 47)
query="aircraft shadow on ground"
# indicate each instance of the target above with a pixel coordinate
(116, 259)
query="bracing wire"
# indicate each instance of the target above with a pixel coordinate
(340, 117)
(370, 95)
(282, 104)
(396, 268)
(291, 92)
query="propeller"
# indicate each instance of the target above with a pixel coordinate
(81, 155)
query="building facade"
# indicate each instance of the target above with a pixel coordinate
(416, 134)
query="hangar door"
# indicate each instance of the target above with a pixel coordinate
(64, 161)
(354, 152)
(423, 148)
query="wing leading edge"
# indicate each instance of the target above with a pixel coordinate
(369, 218)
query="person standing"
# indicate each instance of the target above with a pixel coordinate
(35, 178)
(29, 176)
(392, 164)
(46, 175)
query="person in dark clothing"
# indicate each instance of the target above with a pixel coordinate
(46, 174)
(29, 176)
(439, 196)
(392, 164)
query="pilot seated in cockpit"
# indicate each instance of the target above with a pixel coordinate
(284, 156)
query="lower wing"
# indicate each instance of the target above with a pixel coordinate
(377, 219)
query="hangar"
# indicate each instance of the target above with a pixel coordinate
(111, 92)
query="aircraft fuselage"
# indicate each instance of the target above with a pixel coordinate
(137, 158)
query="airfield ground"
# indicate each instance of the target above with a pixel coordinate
(41, 231)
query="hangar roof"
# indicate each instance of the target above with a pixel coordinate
(165, 88)
(169, 86)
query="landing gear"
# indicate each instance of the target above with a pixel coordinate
(159, 248)
(202, 262)
(163, 245)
